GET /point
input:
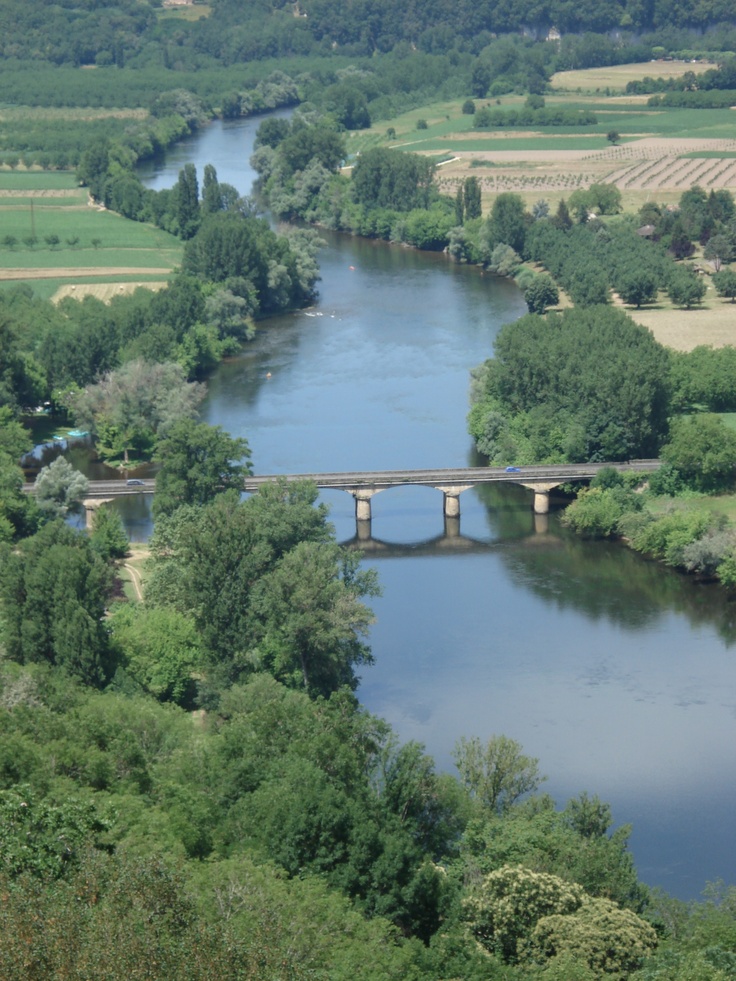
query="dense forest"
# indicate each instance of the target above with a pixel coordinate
(130, 33)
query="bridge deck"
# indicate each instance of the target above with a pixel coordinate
(381, 479)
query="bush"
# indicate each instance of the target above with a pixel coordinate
(668, 536)
(597, 511)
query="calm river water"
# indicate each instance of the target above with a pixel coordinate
(617, 674)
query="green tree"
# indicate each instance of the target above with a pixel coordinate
(596, 512)
(306, 143)
(42, 837)
(613, 137)
(309, 621)
(481, 79)
(459, 206)
(637, 286)
(129, 408)
(93, 167)
(498, 774)
(589, 288)
(587, 383)
(108, 537)
(472, 198)
(197, 462)
(681, 245)
(211, 194)
(187, 201)
(382, 178)
(685, 288)
(19, 513)
(22, 379)
(507, 221)
(541, 293)
(245, 255)
(725, 283)
(211, 557)
(59, 488)
(562, 219)
(575, 844)
(702, 449)
(161, 650)
(718, 249)
(54, 588)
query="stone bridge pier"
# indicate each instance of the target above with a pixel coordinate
(363, 497)
(450, 499)
(541, 495)
(90, 505)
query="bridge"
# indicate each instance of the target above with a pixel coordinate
(364, 485)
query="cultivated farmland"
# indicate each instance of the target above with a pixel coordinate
(52, 237)
(659, 152)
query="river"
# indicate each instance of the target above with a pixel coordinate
(616, 673)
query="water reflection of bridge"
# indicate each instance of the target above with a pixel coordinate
(450, 542)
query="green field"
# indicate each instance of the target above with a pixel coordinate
(39, 181)
(96, 247)
(631, 121)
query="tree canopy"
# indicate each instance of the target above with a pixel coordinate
(587, 384)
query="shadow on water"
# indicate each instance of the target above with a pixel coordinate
(607, 581)
(600, 580)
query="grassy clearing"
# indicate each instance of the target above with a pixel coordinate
(721, 505)
(185, 12)
(617, 76)
(712, 323)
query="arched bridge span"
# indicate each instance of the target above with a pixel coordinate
(364, 485)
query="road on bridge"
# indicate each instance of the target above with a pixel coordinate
(393, 478)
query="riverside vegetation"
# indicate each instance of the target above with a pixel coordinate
(189, 781)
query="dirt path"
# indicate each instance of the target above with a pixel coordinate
(136, 580)
(70, 272)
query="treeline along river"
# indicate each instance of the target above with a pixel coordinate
(617, 673)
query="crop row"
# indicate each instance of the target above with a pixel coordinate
(674, 172)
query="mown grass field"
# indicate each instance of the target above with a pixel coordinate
(618, 76)
(98, 251)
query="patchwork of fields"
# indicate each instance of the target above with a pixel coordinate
(659, 151)
(51, 236)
